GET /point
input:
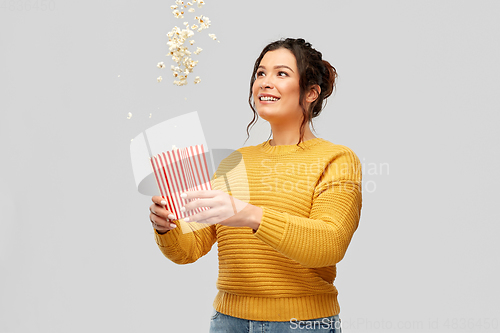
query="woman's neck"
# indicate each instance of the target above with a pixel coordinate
(281, 138)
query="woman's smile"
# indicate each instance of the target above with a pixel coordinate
(268, 99)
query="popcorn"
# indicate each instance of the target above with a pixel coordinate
(181, 82)
(204, 22)
(129, 115)
(178, 14)
(178, 39)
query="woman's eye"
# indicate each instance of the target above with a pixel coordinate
(284, 74)
(260, 73)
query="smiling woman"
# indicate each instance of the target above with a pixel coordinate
(280, 244)
(289, 84)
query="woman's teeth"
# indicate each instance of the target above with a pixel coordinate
(267, 98)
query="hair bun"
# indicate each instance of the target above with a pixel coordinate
(330, 78)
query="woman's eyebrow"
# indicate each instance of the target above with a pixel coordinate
(278, 66)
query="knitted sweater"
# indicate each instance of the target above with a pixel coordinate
(311, 204)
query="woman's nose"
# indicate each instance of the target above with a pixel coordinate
(266, 84)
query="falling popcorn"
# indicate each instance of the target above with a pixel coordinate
(159, 78)
(178, 14)
(129, 115)
(150, 115)
(178, 37)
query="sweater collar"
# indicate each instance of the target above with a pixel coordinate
(285, 149)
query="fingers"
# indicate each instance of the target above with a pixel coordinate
(160, 224)
(188, 195)
(159, 200)
(159, 208)
(160, 217)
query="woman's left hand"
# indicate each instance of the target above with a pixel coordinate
(224, 209)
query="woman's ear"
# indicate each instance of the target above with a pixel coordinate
(313, 93)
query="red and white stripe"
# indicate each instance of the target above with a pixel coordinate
(178, 171)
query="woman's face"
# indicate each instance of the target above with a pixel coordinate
(276, 90)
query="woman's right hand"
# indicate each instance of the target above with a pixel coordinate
(160, 217)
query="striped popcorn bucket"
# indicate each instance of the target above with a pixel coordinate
(180, 170)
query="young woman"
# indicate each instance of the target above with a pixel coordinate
(278, 245)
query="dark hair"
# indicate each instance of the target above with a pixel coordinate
(313, 70)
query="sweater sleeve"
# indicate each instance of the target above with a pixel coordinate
(188, 242)
(322, 239)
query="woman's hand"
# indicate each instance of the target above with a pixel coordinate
(224, 209)
(160, 217)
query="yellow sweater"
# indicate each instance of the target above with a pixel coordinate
(311, 202)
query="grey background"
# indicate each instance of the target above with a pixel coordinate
(417, 101)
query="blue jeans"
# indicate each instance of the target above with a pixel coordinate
(221, 323)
